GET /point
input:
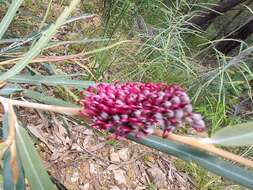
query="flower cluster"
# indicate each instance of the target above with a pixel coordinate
(137, 107)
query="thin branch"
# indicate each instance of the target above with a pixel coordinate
(45, 59)
(233, 39)
(203, 20)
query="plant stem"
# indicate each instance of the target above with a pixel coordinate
(178, 138)
(52, 108)
(207, 147)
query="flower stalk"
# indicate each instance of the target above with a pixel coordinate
(199, 143)
(191, 141)
(50, 108)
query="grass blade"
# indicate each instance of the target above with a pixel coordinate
(33, 167)
(9, 16)
(212, 163)
(42, 42)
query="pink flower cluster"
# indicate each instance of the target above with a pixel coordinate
(138, 107)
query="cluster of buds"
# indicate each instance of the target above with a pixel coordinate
(137, 108)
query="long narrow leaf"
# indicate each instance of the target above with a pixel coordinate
(9, 16)
(21, 182)
(9, 89)
(34, 170)
(42, 42)
(212, 163)
(49, 80)
(47, 99)
(238, 135)
(7, 171)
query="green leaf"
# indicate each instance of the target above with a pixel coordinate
(9, 89)
(237, 135)
(7, 171)
(41, 43)
(47, 99)
(1, 177)
(50, 81)
(8, 182)
(21, 182)
(212, 163)
(33, 166)
(3, 1)
(9, 16)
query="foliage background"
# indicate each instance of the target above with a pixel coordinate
(130, 40)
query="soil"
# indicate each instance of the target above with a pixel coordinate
(78, 157)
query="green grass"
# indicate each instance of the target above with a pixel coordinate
(150, 187)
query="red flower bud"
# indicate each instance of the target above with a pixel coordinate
(136, 107)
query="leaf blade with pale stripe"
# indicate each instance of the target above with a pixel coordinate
(33, 167)
(237, 135)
